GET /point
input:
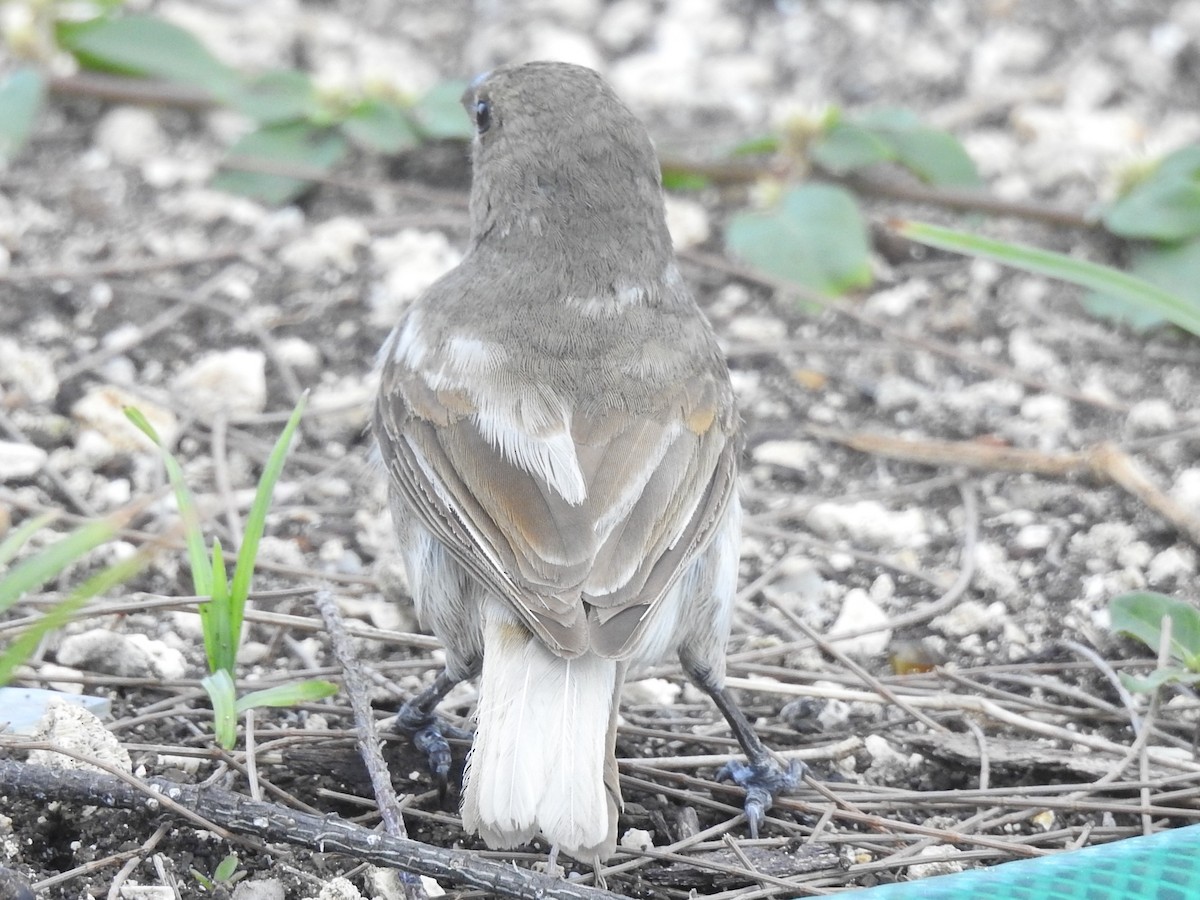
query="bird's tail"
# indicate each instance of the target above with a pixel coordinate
(543, 758)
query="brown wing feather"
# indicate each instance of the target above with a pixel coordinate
(657, 484)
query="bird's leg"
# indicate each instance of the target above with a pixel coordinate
(762, 777)
(416, 718)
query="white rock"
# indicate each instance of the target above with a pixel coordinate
(19, 460)
(870, 522)
(651, 692)
(859, 611)
(1034, 537)
(970, 617)
(26, 373)
(1050, 412)
(1151, 416)
(637, 839)
(114, 653)
(410, 262)
(800, 456)
(131, 135)
(131, 890)
(687, 221)
(1186, 490)
(339, 889)
(331, 244)
(101, 412)
(74, 728)
(623, 23)
(225, 382)
(1173, 565)
(260, 889)
(757, 329)
(940, 867)
(895, 391)
(298, 353)
(548, 41)
(1030, 356)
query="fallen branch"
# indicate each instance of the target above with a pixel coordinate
(271, 822)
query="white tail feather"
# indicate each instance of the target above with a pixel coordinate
(541, 745)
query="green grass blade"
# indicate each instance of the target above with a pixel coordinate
(243, 572)
(26, 642)
(197, 552)
(216, 619)
(12, 544)
(1090, 275)
(288, 694)
(223, 696)
(48, 562)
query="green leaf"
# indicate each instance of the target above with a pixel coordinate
(147, 46)
(50, 561)
(221, 639)
(225, 868)
(440, 114)
(1173, 267)
(12, 544)
(380, 126)
(223, 696)
(1157, 678)
(194, 534)
(846, 146)
(676, 179)
(1104, 279)
(1140, 615)
(814, 237)
(897, 135)
(243, 572)
(767, 143)
(1165, 206)
(276, 97)
(288, 694)
(935, 157)
(291, 146)
(28, 640)
(21, 95)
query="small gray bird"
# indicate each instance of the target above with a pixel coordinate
(558, 426)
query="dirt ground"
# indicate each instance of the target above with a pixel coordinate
(125, 278)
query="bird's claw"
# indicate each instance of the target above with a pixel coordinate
(763, 782)
(428, 734)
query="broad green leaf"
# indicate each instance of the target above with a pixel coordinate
(1134, 291)
(440, 114)
(935, 157)
(846, 146)
(380, 126)
(291, 146)
(1140, 615)
(194, 534)
(21, 95)
(225, 868)
(1172, 267)
(27, 641)
(276, 97)
(1156, 679)
(1165, 206)
(814, 237)
(288, 694)
(223, 696)
(148, 46)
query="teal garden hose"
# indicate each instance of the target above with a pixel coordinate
(1164, 866)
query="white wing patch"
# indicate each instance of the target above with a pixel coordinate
(550, 456)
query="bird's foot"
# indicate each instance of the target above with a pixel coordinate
(763, 782)
(429, 735)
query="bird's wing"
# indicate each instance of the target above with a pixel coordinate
(581, 520)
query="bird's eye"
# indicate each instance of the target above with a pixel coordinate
(483, 115)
